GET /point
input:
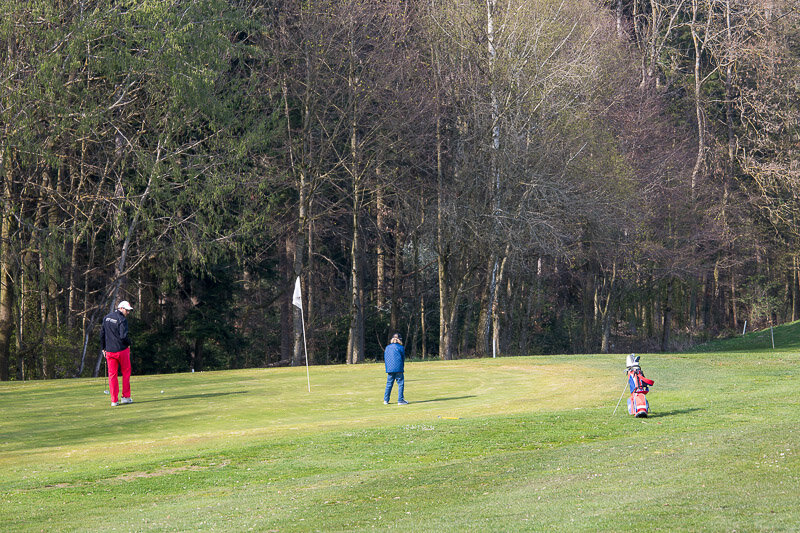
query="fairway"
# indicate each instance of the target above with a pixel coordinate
(508, 444)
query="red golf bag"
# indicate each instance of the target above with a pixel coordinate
(639, 386)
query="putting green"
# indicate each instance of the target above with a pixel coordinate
(73, 419)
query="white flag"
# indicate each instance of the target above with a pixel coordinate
(297, 300)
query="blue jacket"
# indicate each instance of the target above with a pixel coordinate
(393, 357)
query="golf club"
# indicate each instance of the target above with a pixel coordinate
(105, 363)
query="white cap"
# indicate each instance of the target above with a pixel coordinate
(125, 305)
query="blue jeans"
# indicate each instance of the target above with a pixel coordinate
(391, 377)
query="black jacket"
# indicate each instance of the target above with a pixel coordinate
(114, 333)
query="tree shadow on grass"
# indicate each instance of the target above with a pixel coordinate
(673, 412)
(191, 396)
(443, 399)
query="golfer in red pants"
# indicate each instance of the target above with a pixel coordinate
(119, 361)
(116, 347)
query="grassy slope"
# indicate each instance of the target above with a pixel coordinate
(505, 444)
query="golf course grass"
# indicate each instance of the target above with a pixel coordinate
(507, 444)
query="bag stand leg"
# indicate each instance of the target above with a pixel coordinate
(620, 398)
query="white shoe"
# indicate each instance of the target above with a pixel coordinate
(385, 402)
(114, 404)
(126, 400)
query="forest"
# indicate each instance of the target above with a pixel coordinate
(485, 177)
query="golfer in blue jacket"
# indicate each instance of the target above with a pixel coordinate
(393, 357)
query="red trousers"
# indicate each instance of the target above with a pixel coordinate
(119, 361)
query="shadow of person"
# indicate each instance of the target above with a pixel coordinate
(443, 399)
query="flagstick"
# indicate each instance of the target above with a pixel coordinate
(771, 334)
(305, 348)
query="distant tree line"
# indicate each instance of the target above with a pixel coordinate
(487, 178)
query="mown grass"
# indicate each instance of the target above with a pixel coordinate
(510, 444)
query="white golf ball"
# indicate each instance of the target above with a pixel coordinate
(162, 392)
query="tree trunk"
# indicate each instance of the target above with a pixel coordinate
(197, 355)
(397, 283)
(496, 323)
(718, 308)
(701, 139)
(37, 242)
(44, 310)
(297, 356)
(445, 334)
(72, 289)
(734, 313)
(605, 344)
(356, 332)
(417, 306)
(649, 312)
(76, 187)
(355, 339)
(288, 331)
(57, 191)
(667, 318)
(381, 249)
(308, 294)
(492, 325)
(729, 113)
(464, 332)
(484, 333)
(455, 304)
(526, 320)
(650, 72)
(423, 330)
(605, 310)
(87, 321)
(796, 289)
(589, 310)
(6, 287)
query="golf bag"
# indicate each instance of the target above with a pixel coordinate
(639, 385)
